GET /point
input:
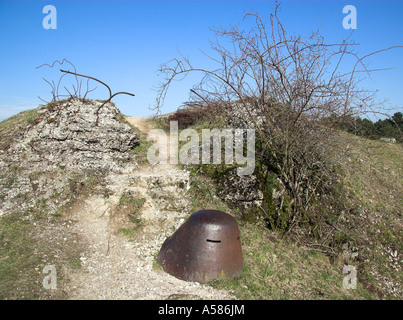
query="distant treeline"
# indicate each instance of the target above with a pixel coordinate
(388, 128)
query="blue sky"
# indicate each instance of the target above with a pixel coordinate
(124, 42)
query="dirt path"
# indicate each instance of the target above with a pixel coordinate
(140, 124)
(114, 267)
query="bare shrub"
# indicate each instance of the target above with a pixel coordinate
(292, 90)
(192, 114)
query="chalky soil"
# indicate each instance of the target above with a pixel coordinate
(116, 267)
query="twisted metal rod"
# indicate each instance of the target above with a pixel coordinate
(109, 89)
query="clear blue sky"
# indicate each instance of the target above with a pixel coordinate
(124, 42)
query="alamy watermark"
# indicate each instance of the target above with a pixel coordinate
(206, 149)
(350, 20)
(50, 281)
(350, 280)
(50, 20)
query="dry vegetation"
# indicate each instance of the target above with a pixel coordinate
(373, 179)
(280, 265)
(339, 195)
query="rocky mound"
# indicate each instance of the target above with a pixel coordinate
(67, 134)
(64, 139)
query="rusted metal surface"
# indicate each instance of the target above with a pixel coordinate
(206, 247)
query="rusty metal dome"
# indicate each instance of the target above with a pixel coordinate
(205, 247)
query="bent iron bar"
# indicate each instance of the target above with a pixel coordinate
(110, 91)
